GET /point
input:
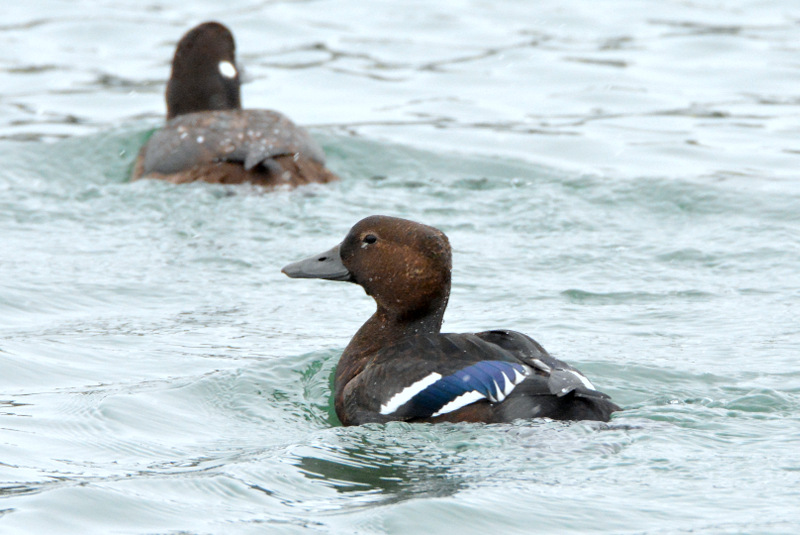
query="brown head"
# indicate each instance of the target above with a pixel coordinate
(405, 266)
(204, 73)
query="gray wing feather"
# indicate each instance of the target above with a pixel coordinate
(248, 136)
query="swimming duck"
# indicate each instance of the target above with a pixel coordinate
(208, 137)
(399, 366)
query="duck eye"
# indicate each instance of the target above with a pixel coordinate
(370, 238)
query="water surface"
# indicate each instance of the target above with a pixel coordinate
(621, 183)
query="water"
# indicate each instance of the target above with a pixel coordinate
(620, 182)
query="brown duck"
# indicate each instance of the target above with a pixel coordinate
(209, 137)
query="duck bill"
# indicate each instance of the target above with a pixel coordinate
(327, 265)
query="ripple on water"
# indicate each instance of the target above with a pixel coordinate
(160, 375)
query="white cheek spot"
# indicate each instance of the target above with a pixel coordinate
(227, 69)
(400, 399)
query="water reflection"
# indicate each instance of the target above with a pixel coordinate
(398, 476)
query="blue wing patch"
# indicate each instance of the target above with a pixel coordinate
(434, 395)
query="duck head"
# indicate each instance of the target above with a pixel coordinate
(405, 266)
(204, 73)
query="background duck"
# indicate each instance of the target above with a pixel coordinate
(208, 136)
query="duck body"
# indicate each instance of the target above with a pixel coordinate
(233, 146)
(209, 137)
(399, 366)
(491, 377)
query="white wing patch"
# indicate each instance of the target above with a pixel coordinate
(541, 365)
(497, 395)
(582, 378)
(490, 380)
(461, 401)
(227, 69)
(402, 397)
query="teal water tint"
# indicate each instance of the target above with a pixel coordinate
(160, 374)
(620, 185)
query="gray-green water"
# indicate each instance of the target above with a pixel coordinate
(619, 182)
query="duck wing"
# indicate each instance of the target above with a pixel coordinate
(250, 137)
(443, 376)
(562, 379)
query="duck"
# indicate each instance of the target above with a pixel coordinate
(209, 137)
(399, 366)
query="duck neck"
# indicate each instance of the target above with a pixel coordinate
(383, 329)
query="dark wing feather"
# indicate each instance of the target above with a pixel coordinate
(488, 379)
(477, 370)
(563, 379)
(412, 360)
